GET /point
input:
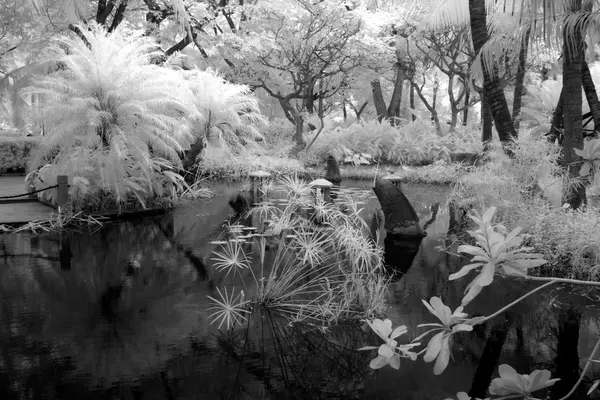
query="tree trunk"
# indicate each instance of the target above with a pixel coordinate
(590, 93)
(492, 86)
(573, 57)
(393, 111)
(520, 81)
(465, 117)
(360, 110)
(486, 123)
(453, 120)
(431, 108)
(412, 102)
(378, 100)
(557, 119)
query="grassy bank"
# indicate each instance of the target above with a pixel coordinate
(217, 166)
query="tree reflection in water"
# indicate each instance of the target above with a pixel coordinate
(116, 313)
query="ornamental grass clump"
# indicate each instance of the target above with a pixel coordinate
(313, 263)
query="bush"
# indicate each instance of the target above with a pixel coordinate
(413, 143)
(15, 153)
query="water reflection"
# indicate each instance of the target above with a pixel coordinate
(127, 319)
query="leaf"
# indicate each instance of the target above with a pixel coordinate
(472, 250)
(464, 271)
(593, 387)
(378, 362)
(434, 347)
(487, 274)
(473, 290)
(488, 214)
(585, 169)
(462, 328)
(368, 348)
(444, 356)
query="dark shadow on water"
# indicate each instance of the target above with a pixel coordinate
(122, 313)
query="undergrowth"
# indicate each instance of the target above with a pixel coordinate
(527, 192)
(412, 143)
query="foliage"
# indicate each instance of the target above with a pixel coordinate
(512, 383)
(527, 192)
(412, 143)
(532, 178)
(439, 345)
(389, 352)
(15, 151)
(117, 123)
(495, 250)
(317, 267)
(230, 113)
(497, 253)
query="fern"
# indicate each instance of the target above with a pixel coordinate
(110, 109)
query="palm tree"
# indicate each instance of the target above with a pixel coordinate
(559, 24)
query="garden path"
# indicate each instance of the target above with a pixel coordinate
(21, 209)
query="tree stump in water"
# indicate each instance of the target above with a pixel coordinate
(401, 219)
(333, 174)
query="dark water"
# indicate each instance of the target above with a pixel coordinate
(75, 323)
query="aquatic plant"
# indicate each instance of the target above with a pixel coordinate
(312, 263)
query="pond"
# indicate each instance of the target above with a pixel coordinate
(76, 322)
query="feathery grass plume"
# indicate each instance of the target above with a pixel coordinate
(313, 270)
(113, 118)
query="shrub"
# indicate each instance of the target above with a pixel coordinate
(115, 118)
(15, 152)
(413, 143)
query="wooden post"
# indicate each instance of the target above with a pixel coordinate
(63, 191)
(258, 178)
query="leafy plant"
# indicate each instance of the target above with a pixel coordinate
(512, 383)
(389, 352)
(439, 345)
(495, 251)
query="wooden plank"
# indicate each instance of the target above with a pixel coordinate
(24, 212)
